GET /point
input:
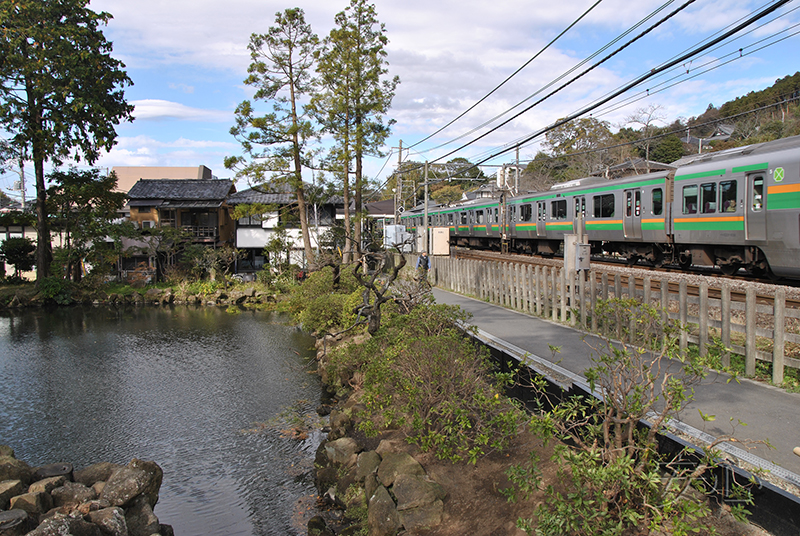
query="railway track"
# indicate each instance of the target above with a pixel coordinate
(738, 284)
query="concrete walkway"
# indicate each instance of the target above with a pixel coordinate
(770, 413)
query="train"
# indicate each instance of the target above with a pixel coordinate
(736, 209)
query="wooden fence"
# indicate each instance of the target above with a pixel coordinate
(547, 292)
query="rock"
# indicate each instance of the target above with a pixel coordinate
(34, 503)
(137, 478)
(111, 521)
(15, 523)
(326, 478)
(14, 469)
(423, 517)
(5, 450)
(8, 489)
(237, 297)
(165, 530)
(66, 526)
(98, 487)
(97, 472)
(318, 527)
(382, 518)
(413, 491)
(371, 484)
(72, 494)
(366, 464)
(53, 469)
(395, 463)
(140, 518)
(47, 485)
(342, 451)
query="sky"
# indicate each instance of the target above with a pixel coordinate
(188, 60)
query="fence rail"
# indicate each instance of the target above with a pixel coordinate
(549, 292)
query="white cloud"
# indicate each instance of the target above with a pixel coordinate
(156, 109)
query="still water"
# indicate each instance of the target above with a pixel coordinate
(195, 390)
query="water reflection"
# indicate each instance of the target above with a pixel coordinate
(180, 386)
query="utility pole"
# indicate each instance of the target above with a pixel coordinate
(516, 175)
(398, 199)
(425, 221)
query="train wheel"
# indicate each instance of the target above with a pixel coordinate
(632, 260)
(729, 269)
(685, 262)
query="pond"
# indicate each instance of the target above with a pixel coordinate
(206, 394)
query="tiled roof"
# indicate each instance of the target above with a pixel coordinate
(183, 189)
(252, 196)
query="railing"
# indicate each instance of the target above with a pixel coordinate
(197, 231)
(546, 291)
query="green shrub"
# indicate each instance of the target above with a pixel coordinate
(56, 289)
(421, 374)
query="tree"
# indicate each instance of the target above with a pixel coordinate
(276, 142)
(82, 205)
(351, 70)
(61, 92)
(668, 149)
(646, 117)
(18, 252)
(579, 142)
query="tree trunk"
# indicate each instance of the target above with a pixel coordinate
(44, 255)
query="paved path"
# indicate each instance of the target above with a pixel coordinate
(769, 412)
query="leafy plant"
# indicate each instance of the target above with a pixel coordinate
(611, 478)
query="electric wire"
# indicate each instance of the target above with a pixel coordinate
(512, 75)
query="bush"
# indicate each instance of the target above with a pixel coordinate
(421, 374)
(56, 289)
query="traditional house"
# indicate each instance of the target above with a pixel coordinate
(254, 232)
(198, 207)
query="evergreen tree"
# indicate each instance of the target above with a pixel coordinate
(61, 91)
(277, 143)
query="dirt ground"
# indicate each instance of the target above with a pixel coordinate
(475, 506)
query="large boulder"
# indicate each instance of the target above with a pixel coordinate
(395, 463)
(8, 489)
(342, 451)
(137, 478)
(111, 521)
(412, 491)
(35, 503)
(61, 525)
(51, 470)
(382, 517)
(72, 494)
(96, 473)
(366, 464)
(16, 523)
(140, 519)
(14, 469)
(47, 485)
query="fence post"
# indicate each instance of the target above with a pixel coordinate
(683, 306)
(593, 297)
(631, 296)
(750, 344)
(582, 293)
(778, 336)
(546, 291)
(618, 297)
(554, 290)
(537, 273)
(703, 320)
(725, 310)
(664, 288)
(562, 287)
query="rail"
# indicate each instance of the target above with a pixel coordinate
(758, 328)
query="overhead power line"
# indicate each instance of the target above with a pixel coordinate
(512, 75)
(640, 79)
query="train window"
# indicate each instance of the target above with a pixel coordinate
(758, 192)
(580, 207)
(512, 213)
(604, 206)
(525, 213)
(558, 209)
(638, 204)
(708, 197)
(496, 215)
(658, 201)
(463, 218)
(690, 199)
(628, 204)
(541, 213)
(479, 216)
(727, 196)
(450, 218)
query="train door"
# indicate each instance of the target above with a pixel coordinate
(756, 208)
(541, 219)
(632, 219)
(580, 215)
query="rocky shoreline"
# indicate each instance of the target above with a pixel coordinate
(104, 499)
(248, 296)
(372, 483)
